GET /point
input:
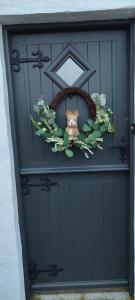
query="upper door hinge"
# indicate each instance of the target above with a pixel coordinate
(37, 57)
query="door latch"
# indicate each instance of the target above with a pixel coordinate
(133, 128)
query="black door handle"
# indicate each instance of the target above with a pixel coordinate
(133, 128)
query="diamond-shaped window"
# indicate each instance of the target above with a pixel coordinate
(70, 69)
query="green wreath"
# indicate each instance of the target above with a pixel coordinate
(91, 136)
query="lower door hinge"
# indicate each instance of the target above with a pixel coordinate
(51, 270)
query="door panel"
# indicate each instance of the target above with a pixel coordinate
(107, 54)
(77, 228)
(80, 225)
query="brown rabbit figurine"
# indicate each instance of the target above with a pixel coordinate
(72, 126)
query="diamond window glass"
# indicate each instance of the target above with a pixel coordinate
(69, 68)
(70, 71)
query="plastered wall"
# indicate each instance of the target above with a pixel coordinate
(34, 11)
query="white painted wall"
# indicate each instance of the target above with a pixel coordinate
(11, 273)
(9, 7)
(34, 11)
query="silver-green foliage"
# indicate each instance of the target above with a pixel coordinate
(92, 133)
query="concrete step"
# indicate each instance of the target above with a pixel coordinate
(82, 296)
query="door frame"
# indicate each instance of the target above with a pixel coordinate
(128, 25)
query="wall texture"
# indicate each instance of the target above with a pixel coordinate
(34, 11)
(9, 7)
(11, 273)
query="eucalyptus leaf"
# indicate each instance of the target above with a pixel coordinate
(94, 145)
(54, 125)
(34, 122)
(38, 133)
(86, 127)
(90, 122)
(106, 124)
(54, 133)
(95, 126)
(47, 134)
(54, 149)
(91, 138)
(43, 119)
(42, 133)
(95, 97)
(102, 99)
(36, 108)
(81, 137)
(58, 146)
(77, 144)
(59, 131)
(114, 129)
(66, 139)
(103, 128)
(69, 153)
(97, 133)
(51, 121)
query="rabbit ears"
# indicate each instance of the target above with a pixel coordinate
(71, 113)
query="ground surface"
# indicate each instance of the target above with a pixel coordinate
(83, 296)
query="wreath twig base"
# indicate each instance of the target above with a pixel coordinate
(70, 91)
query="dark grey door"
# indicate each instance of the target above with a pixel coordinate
(76, 230)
